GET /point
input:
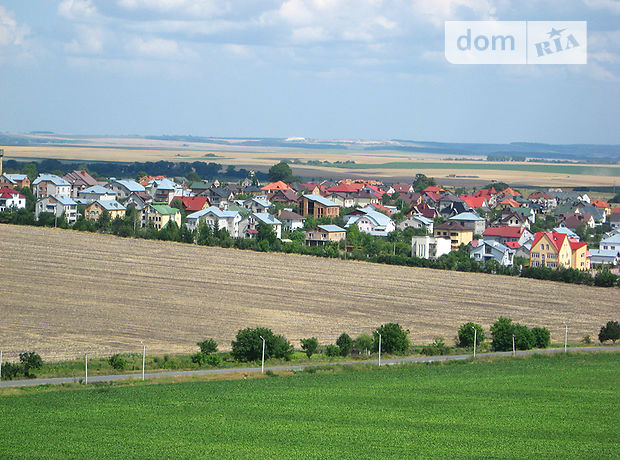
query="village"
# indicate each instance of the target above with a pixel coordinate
(550, 228)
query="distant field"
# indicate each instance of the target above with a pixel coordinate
(541, 407)
(65, 293)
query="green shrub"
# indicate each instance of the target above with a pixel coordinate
(611, 331)
(364, 342)
(345, 343)
(208, 346)
(466, 335)
(524, 337)
(198, 358)
(213, 360)
(117, 362)
(501, 332)
(394, 339)
(30, 360)
(438, 347)
(11, 370)
(309, 345)
(248, 345)
(542, 337)
(586, 339)
(605, 278)
(332, 350)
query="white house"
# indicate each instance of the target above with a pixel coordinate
(257, 204)
(473, 220)
(267, 219)
(482, 251)
(369, 221)
(215, 217)
(429, 247)
(57, 205)
(604, 257)
(164, 190)
(416, 221)
(51, 184)
(10, 198)
(97, 192)
(291, 221)
(124, 187)
(611, 243)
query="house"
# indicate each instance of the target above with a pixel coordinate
(139, 200)
(265, 218)
(384, 209)
(483, 251)
(275, 186)
(600, 204)
(79, 180)
(342, 200)
(370, 221)
(433, 189)
(451, 205)
(95, 209)
(14, 180)
(548, 202)
(344, 189)
(600, 215)
(160, 214)
(567, 231)
(11, 199)
(457, 232)
(574, 220)
(323, 234)
(416, 221)
(512, 218)
(317, 206)
(365, 197)
(402, 188)
(614, 220)
(291, 221)
(556, 250)
(195, 203)
(604, 257)
(288, 197)
(475, 202)
(505, 234)
(429, 247)
(521, 250)
(219, 196)
(257, 204)
(425, 210)
(525, 212)
(217, 218)
(610, 243)
(96, 192)
(57, 205)
(477, 223)
(489, 194)
(164, 190)
(412, 199)
(51, 184)
(508, 203)
(122, 188)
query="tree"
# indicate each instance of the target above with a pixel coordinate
(332, 350)
(611, 331)
(605, 278)
(364, 342)
(30, 360)
(345, 343)
(117, 362)
(394, 339)
(281, 171)
(140, 175)
(542, 337)
(248, 345)
(466, 335)
(501, 332)
(309, 346)
(31, 170)
(104, 220)
(192, 176)
(266, 233)
(421, 182)
(208, 346)
(524, 337)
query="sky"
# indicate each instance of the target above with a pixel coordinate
(326, 69)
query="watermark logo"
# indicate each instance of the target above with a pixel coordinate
(516, 42)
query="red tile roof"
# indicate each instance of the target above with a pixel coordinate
(574, 244)
(506, 232)
(510, 191)
(6, 192)
(433, 196)
(537, 195)
(194, 203)
(343, 188)
(473, 201)
(279, 185)
(513, 244)
(510, 202)
(433, 189)
(600, 204)
(556, 238)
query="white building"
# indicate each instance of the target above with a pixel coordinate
(50, 184)
(267, 219)
(416, 221)
(10, 198)
(370, 221)
(97, 192)
(57, 205)
(484, 250)
(429, 247)
(218, 218)
(124, 187)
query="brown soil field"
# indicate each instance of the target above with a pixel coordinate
(262, 158)
(65, 293)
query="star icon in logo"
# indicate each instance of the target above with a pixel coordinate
(555, 33)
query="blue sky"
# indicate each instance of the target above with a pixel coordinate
(369, 69)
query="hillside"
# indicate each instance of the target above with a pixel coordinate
(65, 293)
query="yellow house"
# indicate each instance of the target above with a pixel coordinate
(555, 250)
(457, 232)
(96, 208)
(159, 214)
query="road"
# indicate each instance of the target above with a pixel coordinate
(246, 370)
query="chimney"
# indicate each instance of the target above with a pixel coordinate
(1, 156)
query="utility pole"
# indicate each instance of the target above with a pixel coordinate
(475, 338)
(86, 369)
(0, 364)
(565, 338)
(143, 358)
(513, 345)
(262, 365)
(379, 348)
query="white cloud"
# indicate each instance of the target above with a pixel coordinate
(193, 8)
(11, 33)
(609, 5)
(89, 40)
(159, 48)
(77, 9)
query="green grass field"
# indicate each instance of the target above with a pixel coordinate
(539, 407)
(507, 166)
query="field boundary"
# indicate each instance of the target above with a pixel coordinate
(299, 367)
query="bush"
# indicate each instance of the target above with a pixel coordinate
(394, 339)
(309, 346)
(332, 350)
(208, 346)
(438, 347)
(542, 337)
(248, 346)
(501, 332)
(466, 335)
(605, 278)
(611, 331)
(587, 339)
(524, 337)
(117, 362)
(213, 360)
(364, 342)
(345, 343)
(30, 360)
(11, 370)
